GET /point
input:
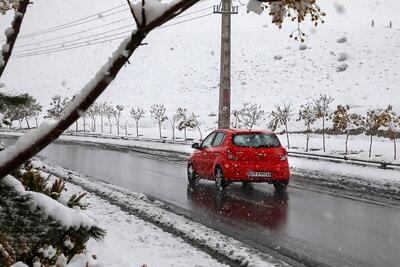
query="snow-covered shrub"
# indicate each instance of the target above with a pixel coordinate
(342, 57)
(342, 67)
(342, 40)
(36, 228)
(303, 47)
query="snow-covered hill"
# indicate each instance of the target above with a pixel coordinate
(180, 64)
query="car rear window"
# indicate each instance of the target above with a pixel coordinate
(258, 140)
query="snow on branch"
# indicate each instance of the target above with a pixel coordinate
(67, 217)
(27, 147)
(12, 33)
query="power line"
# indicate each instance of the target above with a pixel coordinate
(76, 39)
(97, 27)
(73, 34)
(97, 40)
(71, 25)
(62, 44)
(72, 22)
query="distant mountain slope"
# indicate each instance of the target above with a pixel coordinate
(180, 64)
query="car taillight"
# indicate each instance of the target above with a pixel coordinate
(231, 156)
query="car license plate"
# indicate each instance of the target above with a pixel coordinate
(260, 174)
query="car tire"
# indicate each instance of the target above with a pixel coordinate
(192, 176)
(280, 186)
(246, 185)
(220, 183)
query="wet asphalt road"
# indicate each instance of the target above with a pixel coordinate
(311, 227)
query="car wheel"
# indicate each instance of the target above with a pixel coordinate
(192, 176)
(246, 185)
(281, 186)
(220, 182)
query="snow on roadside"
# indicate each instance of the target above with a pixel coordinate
(120, 224)
(130, 241)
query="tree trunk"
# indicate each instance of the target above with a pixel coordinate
(27, 122)
(110, 125)
(287, 135)
(20, 124)
(76, 126)
(395, 148)
(184, 133)
(84, 124)
(308, 137)
(118, 125)
(137, 129)
(94, 124)
(36, 121)
(11, 38)
(173, 130)
(159, 129)
(101, 119)
(323, 133)
(347, 140)
(201, 136)
(370, 146)
(89, 94)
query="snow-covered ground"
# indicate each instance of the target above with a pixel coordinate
(131, 241)
(180, 68)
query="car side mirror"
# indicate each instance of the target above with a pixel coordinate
(196, 146)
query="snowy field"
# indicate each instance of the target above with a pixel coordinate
(179, 68)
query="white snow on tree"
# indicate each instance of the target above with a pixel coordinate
(137, 115)
(251, 114)
(158, 112)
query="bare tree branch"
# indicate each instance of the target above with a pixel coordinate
(11, 36)
(24, 150)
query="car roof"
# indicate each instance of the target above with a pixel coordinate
(243, 131)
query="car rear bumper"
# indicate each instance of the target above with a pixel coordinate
(240, 172)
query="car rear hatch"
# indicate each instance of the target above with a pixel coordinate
(254, 147)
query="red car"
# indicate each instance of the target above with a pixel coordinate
(240, 156)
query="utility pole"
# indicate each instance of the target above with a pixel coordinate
(224, 109)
